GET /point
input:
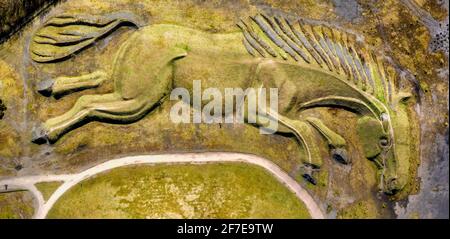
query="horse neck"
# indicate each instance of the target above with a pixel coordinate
(355, 99)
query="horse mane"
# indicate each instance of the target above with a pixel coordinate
(328, 48)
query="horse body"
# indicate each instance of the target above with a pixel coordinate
(218, 61)
(221, 61)
(159, 58)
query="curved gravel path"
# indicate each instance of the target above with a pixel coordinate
(70, 180)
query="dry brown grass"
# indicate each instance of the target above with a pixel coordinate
(15, 13)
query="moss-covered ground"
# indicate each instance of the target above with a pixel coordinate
(361, 210)
(225, 190)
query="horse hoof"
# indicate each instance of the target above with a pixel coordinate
(340, 155)
(45, 87)
(309, 179)
(39, 136)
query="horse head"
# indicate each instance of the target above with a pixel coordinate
(387, 139)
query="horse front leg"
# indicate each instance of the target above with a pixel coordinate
(336, 142)
(306, 137)
(270, 75)
(65, 84)
(300, 129)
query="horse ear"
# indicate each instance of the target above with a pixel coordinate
(408, 92)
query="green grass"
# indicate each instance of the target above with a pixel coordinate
(47, 188)
(225, 190)
(360, 210)
(16, 205)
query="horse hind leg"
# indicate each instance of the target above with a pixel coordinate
(66, 84)
(108, 107)
(52, 128)
(118, 106)
(125, 111)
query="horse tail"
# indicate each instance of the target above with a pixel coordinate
(64, 35)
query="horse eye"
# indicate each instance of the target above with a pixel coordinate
(384, 142)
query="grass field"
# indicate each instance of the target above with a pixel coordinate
(16, 205)
(47, 188)
(225, 190)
